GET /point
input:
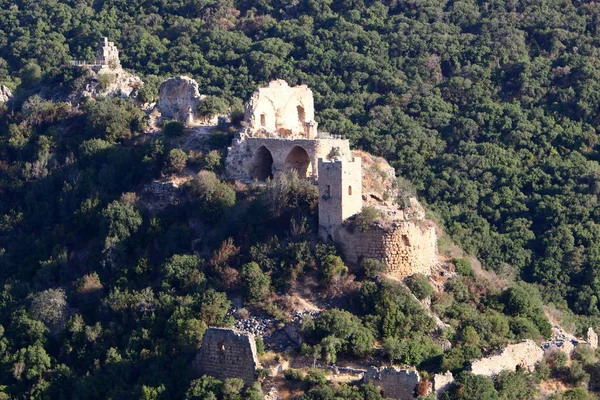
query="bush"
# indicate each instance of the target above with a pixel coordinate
(367, 217)
(372, 267)
(212, 105)
(177, 160)
(257, 284)
(463, 267)
(173, 129)
(419, 286)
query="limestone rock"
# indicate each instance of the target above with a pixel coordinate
(225, 354)
(592, 338)
(524, 355)
(179, 99)
(5, 94)
(395, 383)
(442, 382)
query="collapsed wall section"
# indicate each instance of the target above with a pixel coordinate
(405, 247)
(394, 383)
(225, 354)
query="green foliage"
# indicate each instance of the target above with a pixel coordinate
(257, 284)
(212, 105)
(176, 160)
(288, 192)
(122, 220)
(113, 119)
(516, 385)
(419, 285)
(472, 387)
(463, 266)
(213, 196)
(367, 217)
(173, 129)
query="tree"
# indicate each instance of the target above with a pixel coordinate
(122, 220)
(173, 129)
(177, 160)
(50, 307)
(257, 284)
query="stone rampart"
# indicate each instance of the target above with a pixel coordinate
(225, 354)
(395, 383)
(405, 247)
(524, 355)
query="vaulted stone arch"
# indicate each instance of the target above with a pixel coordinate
(262, 164)
(299, 160)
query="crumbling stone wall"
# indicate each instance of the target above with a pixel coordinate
(243, 156)
(442, 382)
(404, 247)
(179, 99)
(225, 354)
(108, 54)
(395, 383)
(279, 110)
(524, 355)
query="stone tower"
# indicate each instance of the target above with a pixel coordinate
(340, 192)
(108, 54)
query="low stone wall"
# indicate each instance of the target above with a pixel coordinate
(405, 248)
(225, 354)
(524, 355)
(395, 383)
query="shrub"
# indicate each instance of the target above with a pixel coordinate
(257, 284)
(176, 160)
(419, 286)
(372, 267)
(463, 266)
(367, 217)
(212, 105)
(173, 129)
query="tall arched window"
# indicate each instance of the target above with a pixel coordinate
(349, 190)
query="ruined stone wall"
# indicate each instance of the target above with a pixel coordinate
(340, 192)
(225, 354)
(179, 99)
(107, 53)
(243, 157)
(280, 110)
(395, 383)
(405, 248)
(524, 355)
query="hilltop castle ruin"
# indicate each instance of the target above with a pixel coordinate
(279, 134)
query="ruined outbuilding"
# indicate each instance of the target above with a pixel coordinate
(179, 99)
(107, 55)
(394, 383)
(226, 353)
(279, 134)
(525, 356)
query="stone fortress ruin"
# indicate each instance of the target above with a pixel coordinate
(279, 134)
(107, 57)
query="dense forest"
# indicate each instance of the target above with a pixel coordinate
(489, 108)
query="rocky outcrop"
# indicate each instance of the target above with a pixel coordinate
(179, 99)
(442, 382)
(395, 383)
(524, 355)
(592, 339)
(226, 353)
(5, 94)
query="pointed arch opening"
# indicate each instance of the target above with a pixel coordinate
(262, 167)
(299, 160)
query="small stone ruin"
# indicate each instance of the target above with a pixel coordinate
(524, 355)
(394, 383)
(226, 353)
(179, 99)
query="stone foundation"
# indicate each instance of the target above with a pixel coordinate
(405, 248)
(524, 355)
(395, 383)
(225, 354)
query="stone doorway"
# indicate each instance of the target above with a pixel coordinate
(299, 160)
(262, 167)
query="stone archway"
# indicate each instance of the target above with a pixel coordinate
(262, 165)
(299, 160)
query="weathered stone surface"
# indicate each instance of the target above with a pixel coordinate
(592, 338)
(340, 192)
(279, 110)
(442, 382)
(251, 157)
(405, 248)
(225, 354)
(524, 355)
(5, 94)
(179, 99)
(107, 54)
(395, 383)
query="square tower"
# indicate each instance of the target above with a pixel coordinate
(340, 192)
